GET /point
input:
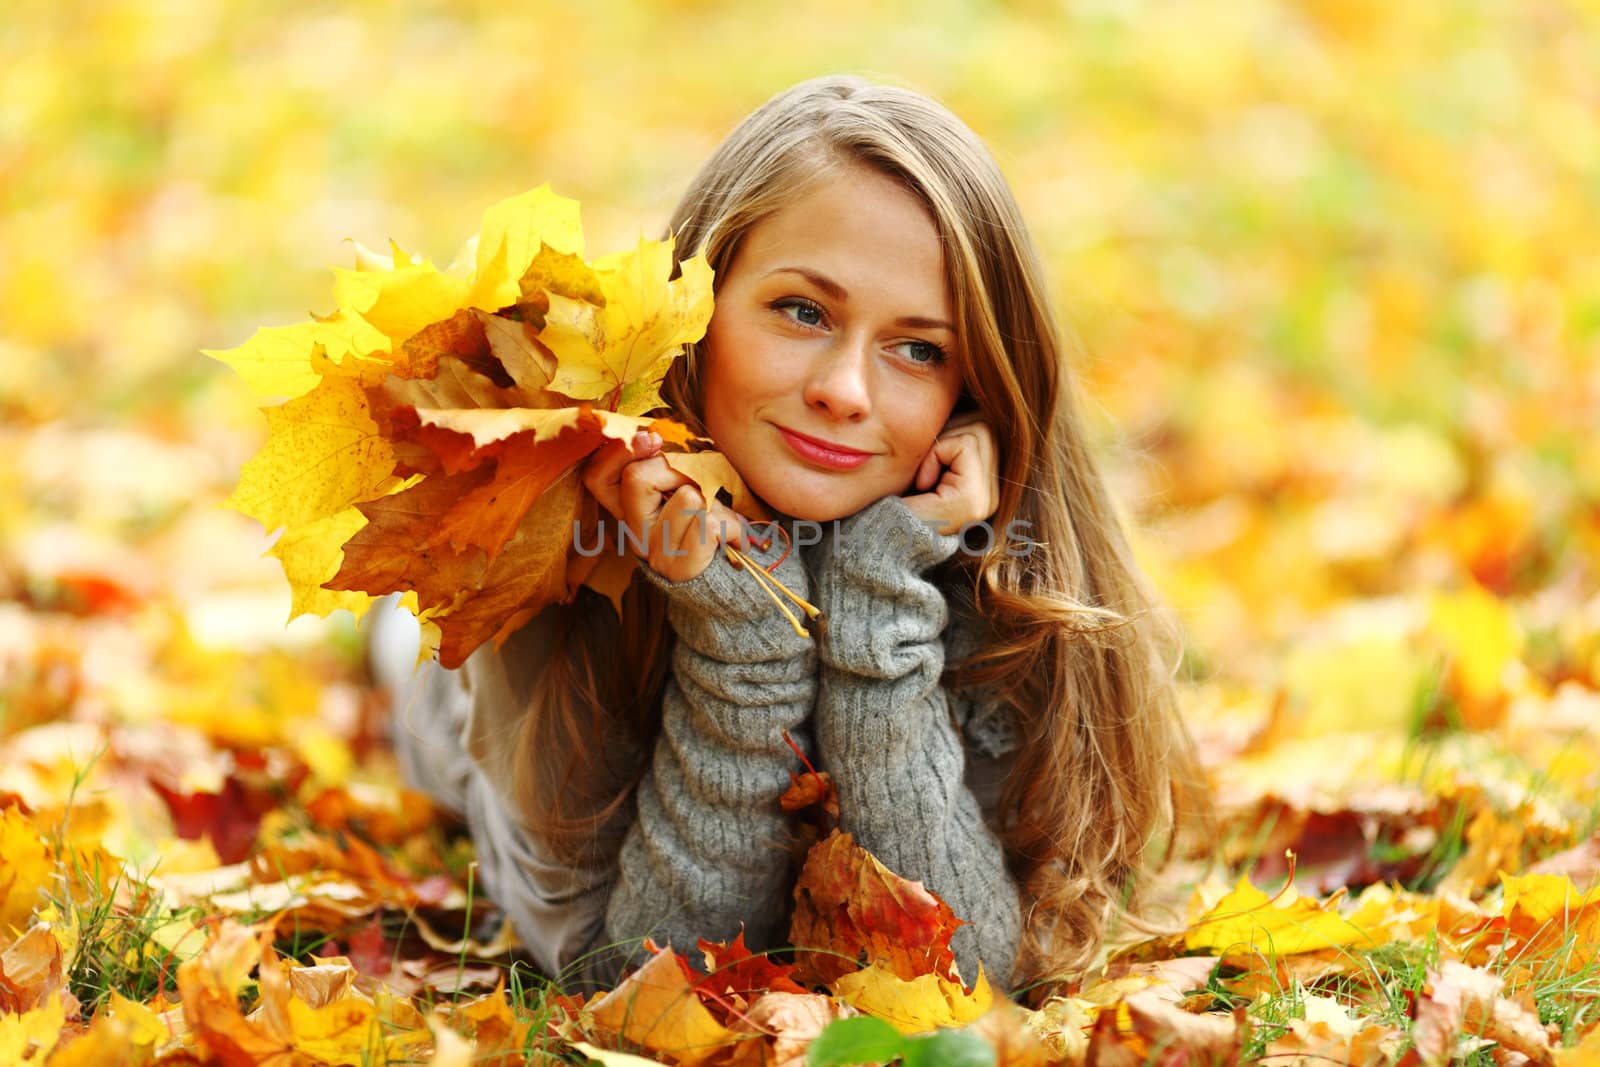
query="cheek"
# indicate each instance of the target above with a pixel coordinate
(738, 369)
(726, 384)
(921, 419)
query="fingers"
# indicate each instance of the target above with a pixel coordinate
(973, 474)
(687, 534)
(645, 484)
(727, 525)
(602, 472)
(928, 471)
(959, 478)
(665, 515)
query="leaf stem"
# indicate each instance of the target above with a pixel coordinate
(796, 749)
(811, 610)
(762, 578)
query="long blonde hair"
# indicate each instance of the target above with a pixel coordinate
(1080, 652)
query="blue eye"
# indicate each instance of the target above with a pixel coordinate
(925, 352)
(803, 312)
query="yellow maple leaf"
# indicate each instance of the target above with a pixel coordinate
(1387, 914)
(402, 300)
(617, 352)
(1249, 922)
(323, 453)
(1585, 1053)
(565, 273)
(511, 237)
(1548, 917)
(107, 1043)
(277, 360)
(924, 1003)
(1540, 898)
(712, 473)
(488, 425)
(344, 1031)
(1482, 639)
(126, 1032)
(310, 554)
(27, 870)
(37, 1030)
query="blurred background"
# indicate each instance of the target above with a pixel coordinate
(1333, 269)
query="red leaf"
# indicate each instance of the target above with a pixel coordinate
(859, 912)
(731, 969)
(368, 950)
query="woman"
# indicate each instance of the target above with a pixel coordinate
(992, 690)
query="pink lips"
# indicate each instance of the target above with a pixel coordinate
(822, 453)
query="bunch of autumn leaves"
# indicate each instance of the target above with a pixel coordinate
(434, 424)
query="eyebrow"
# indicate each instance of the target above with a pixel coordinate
(839, 293)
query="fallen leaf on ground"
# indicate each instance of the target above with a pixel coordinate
(29, 866)
(1248, 922)
(656, 1008)
(850, 909)
(1463, 1003)
(916, 1005)
(790, 1022)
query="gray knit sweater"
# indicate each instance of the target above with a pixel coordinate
(916, 766)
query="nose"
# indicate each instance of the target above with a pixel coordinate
(838, 383)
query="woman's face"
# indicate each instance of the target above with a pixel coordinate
(830, 367)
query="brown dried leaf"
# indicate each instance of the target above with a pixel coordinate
(526, 360)
(30, 970)
(1005, 1028)
(1062, 1024)
(790, 1022)
(1459, 1001)
(529, 573)
(1319, 1042)
(1581, 863)
(1200, 1038)
(388, 553)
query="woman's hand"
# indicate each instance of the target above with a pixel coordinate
(659, 507)
(962, 470)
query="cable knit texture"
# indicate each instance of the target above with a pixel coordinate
(885, 731)
(707, 848)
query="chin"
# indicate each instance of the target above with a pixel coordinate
(810, 508)
(815, 499)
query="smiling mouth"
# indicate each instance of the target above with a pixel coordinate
(823, 453)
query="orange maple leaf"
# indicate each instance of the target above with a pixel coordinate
(851, 911)
(731, 969)
(655, 1008)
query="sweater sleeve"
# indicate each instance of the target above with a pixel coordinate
(885, 732)
(708, 850)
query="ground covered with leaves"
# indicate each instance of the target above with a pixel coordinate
(1332, 269)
